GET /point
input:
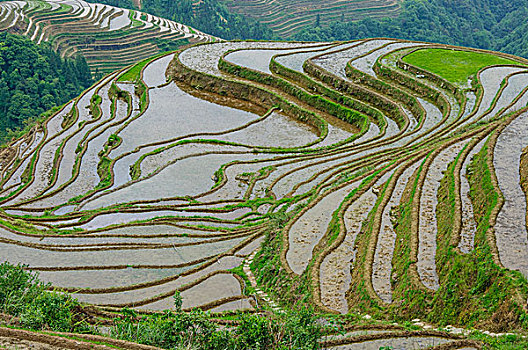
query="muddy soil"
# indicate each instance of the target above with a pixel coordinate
(20, 344)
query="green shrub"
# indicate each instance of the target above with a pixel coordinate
(194, 330)
(178, 301)
(297, 330)
(24, 296)
(168, 330)
(17, 288)
(254, 333)
(51, 310)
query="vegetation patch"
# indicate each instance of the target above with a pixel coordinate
(456, 66)
(496, 296)
(34, 80)
(22, 295)
(133, 74)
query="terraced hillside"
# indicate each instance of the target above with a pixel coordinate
(109, 37)
(264, 175)
(286, 18)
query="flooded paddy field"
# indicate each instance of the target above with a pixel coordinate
(365, 181)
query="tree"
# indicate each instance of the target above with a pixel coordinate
(178, 301)
(34, 79)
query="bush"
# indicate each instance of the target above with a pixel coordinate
(24, 296)
(255, 332)
(296, 330)
(17, 288)
(51, 310)
(195, 330)
(178, 301)
(168, 330)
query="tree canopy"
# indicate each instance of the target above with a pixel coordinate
(34, 79)
(487, 24)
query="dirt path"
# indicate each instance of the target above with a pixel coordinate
(20, 344)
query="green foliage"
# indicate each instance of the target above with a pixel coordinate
(23, 295)
(209, 16)
(51, 310)
(488, 24)
(296, 331)
(133, 74)
(506, 342)
(34, 79)
(17, 288)
(95, 106)
(178, 301)
(140, 90)
(455, 66)
(104, 172)
(167, 330)
(118, 3)
(194, 330)
(165, 45)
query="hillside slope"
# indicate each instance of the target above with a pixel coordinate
(34, 79)
(487, 24)
(287, 17)
(108, 37)
(359, 177)
(210, 16)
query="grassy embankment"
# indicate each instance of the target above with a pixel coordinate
(29, 304)
(133, 74)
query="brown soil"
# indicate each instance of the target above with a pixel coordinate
(223, 100)
(21, 339)
(6, 155)
(21, 344)
(524, 176)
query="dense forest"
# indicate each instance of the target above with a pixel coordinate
(33, 79)
(209, 16)
(487, 24)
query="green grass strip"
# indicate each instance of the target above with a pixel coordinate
(133, 73)
(454, 65)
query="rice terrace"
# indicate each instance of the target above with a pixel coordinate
(289, 17)
(375, 187)
(108, 37)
